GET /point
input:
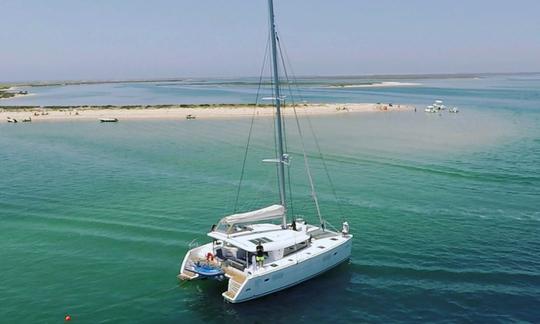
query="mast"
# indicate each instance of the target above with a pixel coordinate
(279, 127)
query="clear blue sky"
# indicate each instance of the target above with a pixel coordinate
(103, 39)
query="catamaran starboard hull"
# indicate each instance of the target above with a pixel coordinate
(293, 275)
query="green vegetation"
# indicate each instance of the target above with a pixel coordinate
(164, 106)
(5, 93)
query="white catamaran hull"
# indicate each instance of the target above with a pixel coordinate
(298, 272)
(255, 282)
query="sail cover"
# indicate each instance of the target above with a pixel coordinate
(270, 212)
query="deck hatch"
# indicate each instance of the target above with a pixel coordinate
(261, 239)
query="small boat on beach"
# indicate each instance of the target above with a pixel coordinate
(11, 120)
(190, 116)
(108, 120)
(27, 120)
(454, 110)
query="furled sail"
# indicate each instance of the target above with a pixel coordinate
(270, 212)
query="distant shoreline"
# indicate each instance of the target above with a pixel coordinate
(235, 79)
(176, 112)
(384, 84)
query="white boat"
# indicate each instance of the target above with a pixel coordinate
(267, 250)
(11, 120)
(108, 120)
(438, 105)
(431, 109)
(454, 110)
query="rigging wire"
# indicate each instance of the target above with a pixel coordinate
(289, 182)
(251, 126)
(310, 124)
(306, 163)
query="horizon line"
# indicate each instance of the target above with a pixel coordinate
(307, 76)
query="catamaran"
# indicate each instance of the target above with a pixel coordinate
(267, 250)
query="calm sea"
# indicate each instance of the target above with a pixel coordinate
(445, 209)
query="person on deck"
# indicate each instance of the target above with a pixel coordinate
(260, 255)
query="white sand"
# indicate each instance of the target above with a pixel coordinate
(177, 112)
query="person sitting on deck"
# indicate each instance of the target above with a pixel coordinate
(260, 255)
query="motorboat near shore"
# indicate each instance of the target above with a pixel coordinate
(438, 106)
(13, 120)
(108, 120)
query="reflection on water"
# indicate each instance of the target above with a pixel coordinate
(315, 297)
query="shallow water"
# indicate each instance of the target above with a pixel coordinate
(445, 209)
(484, 91)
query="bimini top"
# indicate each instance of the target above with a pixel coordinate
(270, 212)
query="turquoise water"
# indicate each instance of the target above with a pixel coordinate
(95, 218)
(195, 91)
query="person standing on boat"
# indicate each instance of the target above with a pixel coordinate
(260, 255)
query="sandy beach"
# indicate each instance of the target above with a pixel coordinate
(180, 112)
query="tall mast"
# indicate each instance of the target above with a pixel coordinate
(279, 127)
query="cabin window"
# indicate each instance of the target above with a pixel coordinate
(334, 239)
(274, 265)
(293, 248)
(321, 247)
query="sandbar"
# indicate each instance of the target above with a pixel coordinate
(142, 112)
